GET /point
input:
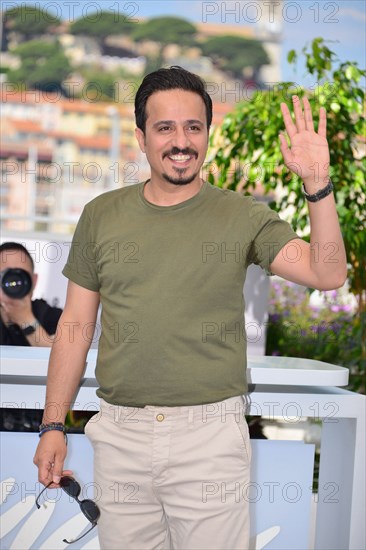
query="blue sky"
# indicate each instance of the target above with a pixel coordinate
(342, 23)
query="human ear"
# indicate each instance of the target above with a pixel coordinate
(140, 136)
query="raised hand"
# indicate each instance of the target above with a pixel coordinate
(16, 311)
(308, 152)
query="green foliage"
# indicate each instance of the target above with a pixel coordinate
(245, 150)
(234, 53)
(154, 63)
(30, 21)
(105, 84)
(44, 66)
(330, 333)
(103, 24)
(166, 30)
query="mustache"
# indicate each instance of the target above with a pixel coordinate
(177, 151)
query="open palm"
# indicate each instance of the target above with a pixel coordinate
(308, 152)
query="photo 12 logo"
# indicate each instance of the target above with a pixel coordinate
(269, 12)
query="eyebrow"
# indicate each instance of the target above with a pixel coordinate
(190, 121)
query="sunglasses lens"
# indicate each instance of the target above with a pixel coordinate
(70, 486)
(90, 510)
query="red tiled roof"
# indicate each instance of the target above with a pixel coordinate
(26, 126)
(31, 97)
(93, 142)
(88, 142)
(21, 152)
(27, 96)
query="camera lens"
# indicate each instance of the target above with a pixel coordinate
(16, 283)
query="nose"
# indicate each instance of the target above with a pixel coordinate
(180, 138)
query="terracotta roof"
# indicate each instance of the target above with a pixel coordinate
(21, 152)
(102, 142)
(28, 96)
(31, 97)
(78, 106)
(93, 142)
(26, 126)
(219, 112)
(216, 29)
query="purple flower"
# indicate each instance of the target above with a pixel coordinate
(274, 317)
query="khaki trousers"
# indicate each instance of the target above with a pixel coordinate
(172, 477)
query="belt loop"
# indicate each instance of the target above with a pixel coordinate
(118, 414)
(247, 401)
(190, 416)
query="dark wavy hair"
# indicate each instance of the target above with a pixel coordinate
(172, 78)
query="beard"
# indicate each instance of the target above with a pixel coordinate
(180, 179)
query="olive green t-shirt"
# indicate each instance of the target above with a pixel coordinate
(171, 282)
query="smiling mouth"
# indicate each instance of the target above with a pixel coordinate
(181, 156)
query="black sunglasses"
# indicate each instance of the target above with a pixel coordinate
(88, 507)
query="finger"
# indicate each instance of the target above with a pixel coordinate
(54, 478)
(299, 115)
(287, 119)
(322, 126)
(4, 299)
(285, 149)
(44, 470)
(68, 473)
(50, 456)
(57, 470)
(308, 116)
(52, 485)
(7, 306)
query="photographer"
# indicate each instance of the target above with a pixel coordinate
(24, 322)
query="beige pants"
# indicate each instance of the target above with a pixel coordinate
(172, 477)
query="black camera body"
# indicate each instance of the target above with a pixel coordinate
(15, 282)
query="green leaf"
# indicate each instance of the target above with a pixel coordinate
(292, 56)
(335, 107)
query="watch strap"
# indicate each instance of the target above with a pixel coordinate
(319, 195)
(27, 330)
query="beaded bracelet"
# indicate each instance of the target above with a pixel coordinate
(319, 195)
(52, 426)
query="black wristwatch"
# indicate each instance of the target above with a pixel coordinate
(27, 330)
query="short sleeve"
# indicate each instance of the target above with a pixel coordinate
(81, 266)
(269, 235)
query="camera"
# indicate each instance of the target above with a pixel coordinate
(15, 282)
